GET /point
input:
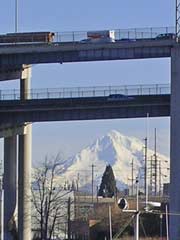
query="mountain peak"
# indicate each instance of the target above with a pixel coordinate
(113, 149)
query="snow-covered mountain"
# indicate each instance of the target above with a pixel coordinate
(114, 149)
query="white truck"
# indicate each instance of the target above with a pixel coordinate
(100, 36)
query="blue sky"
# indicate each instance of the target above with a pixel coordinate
(61, 15)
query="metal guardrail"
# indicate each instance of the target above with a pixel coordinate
(80, 92)
(120, 34)
(78, 36)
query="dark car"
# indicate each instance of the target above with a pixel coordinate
(166, 36)
(119, 97)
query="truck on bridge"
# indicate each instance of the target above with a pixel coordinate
(27, 37)
(100, 36)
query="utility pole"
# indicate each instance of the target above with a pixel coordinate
(77, 182)
(69, 218)
(132, 177)
(145, 166)
(155, 162)
(77, 196)
(160, 178)
(137, 209)
(151, 174)
(97, 189)
(92, 181)
(146, 159)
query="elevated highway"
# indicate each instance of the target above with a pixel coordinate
(85, 103)
(86, 108)
(75, 47)
(81, 52)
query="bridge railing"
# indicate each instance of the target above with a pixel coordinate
(82, 36)
(81, 92)
(120, 34)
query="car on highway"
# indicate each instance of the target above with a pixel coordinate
(166, 36)
(119, 97)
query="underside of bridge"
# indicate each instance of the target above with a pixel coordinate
(17, 166)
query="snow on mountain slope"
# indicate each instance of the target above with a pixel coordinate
(114, 149)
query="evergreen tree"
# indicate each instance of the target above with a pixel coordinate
(108, 183)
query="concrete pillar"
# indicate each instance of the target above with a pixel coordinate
(175, 145)
(24, 169)
(10, 186)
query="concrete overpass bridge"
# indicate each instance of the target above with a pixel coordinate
(71, 104)
(15, 61)
(70, 47)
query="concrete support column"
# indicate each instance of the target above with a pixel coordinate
(175, 145)
(10, 186)
(24, 169)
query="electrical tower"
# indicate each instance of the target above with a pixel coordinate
(177, 18)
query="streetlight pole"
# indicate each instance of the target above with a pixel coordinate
(137, 209)
(123, 205)
(16, 16)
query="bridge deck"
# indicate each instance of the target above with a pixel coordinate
(39, 110)
(79, 52)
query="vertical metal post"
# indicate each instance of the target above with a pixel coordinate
(137, 209)
(160, 178)
(132, 177)
(161, 218)
(16, 16)
(167, 223)
(146, 158)
(110, 224)
(92, 183)
(69, 218)
(151, 175)
(155, 162)
(145, 165)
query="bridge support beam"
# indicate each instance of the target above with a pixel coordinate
(24, 169)
(10, 186)
(175, 143)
